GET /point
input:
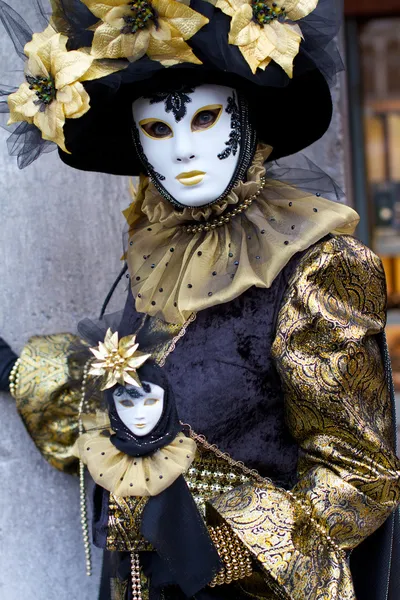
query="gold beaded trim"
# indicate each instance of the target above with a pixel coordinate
(176, 339)
(14, 378)
(200, 439)
(225, 219)
(82, 487)
(234, 554)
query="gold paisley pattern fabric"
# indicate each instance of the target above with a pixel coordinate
(47, 403)
(48, 391)
(124, 519)
(338, 409)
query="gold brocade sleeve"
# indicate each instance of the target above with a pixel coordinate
(47, 396)
(338, 409)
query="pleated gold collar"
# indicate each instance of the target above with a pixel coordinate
(182, 262)
(125, 475)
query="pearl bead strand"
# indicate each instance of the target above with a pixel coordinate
(82, 486)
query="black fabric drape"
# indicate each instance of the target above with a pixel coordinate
(7, 361)
(173, 525)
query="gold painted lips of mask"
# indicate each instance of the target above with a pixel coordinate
(140, 425)
(190, 177)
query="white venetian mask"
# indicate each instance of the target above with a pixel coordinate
(140, 409)
(191, 140)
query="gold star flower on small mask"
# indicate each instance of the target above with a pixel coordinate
(265, 30)
(53, 90)
(157, 28)
(117, 361)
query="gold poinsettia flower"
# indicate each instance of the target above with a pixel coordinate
(265, 30)
(157, 28)
(117, 361)
(53, 90)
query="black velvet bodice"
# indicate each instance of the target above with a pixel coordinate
(227, 387)
(225, 382)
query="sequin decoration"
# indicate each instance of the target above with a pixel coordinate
(210, 476)
(235, 135)
(175, 101)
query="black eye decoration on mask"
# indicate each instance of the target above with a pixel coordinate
(133, 392)
(146, 387)
(235, 135)
(175, 101)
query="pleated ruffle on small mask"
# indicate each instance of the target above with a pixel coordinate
(175, 273)
(126, 475)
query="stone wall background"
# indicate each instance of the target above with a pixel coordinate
(60, 244)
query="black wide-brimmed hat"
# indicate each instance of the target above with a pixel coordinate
(288, 113)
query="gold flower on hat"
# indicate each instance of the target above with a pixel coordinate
(53, 89)
(265, 30)
(117, 360)
(157, 28)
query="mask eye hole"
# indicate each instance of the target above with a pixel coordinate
(150, 401)
(206, 117)
(157, 130)
(127, 403)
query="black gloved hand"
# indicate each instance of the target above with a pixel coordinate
(8, 359)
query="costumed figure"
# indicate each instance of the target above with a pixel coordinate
(262, 314)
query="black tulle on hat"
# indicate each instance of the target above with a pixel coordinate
(289, 114)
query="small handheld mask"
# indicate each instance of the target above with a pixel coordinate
(190, 141)
(140, 409)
